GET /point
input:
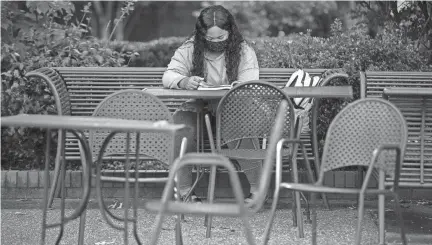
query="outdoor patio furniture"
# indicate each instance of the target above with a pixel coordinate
(418, 152)
(133, 105)
(76, 125)
(416, 106)
(238, 209)
(368, 132)
(247, 112)
(78, 91)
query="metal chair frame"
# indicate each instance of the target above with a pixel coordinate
(383, 167)
(160, 112)
(165, 206)
(291, 127)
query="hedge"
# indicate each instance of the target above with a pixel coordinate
(351, 50)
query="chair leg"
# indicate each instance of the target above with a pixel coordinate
(381, 209)
(210, 196)
(308, 219)
(82, 227)
(293, 209)
(248, 230)
(54, 191)
(297, 210)
(55, 186)
(326, 203)
(400, 218)
(314, 219)
(178, 232)
(299, 215)
(359, 219)
(269, 225)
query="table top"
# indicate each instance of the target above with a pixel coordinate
(77, 122)
(310, 92)
(407, 91)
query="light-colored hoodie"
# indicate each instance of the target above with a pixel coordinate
(180, 66)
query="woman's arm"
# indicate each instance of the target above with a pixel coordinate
(178, 68)
(248, 67)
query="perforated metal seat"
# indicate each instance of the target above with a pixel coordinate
(370, 133)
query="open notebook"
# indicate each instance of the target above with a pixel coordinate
(218, 87)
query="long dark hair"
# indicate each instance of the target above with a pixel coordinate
(222, 18)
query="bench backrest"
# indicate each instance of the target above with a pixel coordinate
(417, 165)
(376, 81)
(83, 88)
(88, 86)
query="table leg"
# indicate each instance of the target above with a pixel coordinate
(81, 228)
(46, 183)
(126, 194)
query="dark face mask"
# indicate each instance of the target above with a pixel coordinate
(216, 46)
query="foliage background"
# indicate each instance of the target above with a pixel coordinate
(49, 35)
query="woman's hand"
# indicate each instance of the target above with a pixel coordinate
(191, 83)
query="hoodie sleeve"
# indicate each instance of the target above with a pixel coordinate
(179, 67)
(248, 67)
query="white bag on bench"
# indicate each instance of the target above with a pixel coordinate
(302, 106)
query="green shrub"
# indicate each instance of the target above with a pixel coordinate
(67, 46)
(47, 45)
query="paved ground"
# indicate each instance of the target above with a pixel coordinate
(21, 220)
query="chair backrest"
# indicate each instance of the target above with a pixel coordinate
(359, 129)
(276, 134)
(249, 111)
(134, 105)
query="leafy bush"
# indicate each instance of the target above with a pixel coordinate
(46, 44)
(68, 45)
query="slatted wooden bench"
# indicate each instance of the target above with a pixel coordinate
(411, 92)
(78, 90)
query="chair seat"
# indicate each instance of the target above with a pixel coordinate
(250, 154)
(220, 209)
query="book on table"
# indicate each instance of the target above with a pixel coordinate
(218, 87)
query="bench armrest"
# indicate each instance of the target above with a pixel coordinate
(407, 92)
(58, 88)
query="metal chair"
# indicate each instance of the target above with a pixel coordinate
(63, 107)
(239, 209)
(247, 112)
(368, 132)
(134, 105)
